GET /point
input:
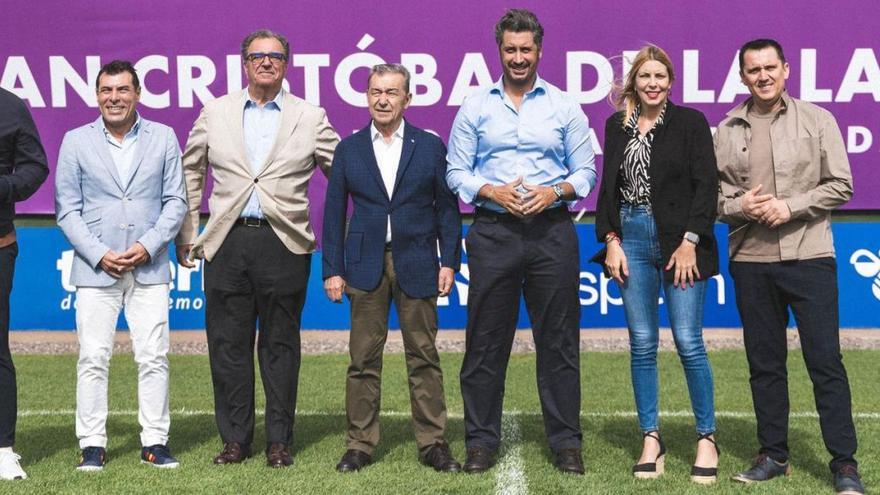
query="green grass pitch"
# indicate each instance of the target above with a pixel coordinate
(49, 450)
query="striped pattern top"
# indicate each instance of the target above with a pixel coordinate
(635, 186)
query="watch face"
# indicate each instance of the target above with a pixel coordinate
(558, 190)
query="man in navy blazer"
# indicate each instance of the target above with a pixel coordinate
(395, 175)
(119, 200)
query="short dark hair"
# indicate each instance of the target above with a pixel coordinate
(760, 44)
(518, 21)
(390, 69)
(260, 34)
(118, 67)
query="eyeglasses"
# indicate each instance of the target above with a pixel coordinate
(258, 57)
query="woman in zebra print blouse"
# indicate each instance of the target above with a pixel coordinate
(656, 214)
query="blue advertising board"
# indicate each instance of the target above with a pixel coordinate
(43, 299)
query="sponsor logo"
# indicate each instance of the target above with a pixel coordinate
(867, 264)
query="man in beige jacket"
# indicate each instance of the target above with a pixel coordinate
(783, 168)
(263, 145)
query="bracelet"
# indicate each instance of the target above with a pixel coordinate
(611, 236)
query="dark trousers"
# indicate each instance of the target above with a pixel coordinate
(369, 330)
(254, 277)
(8, 391)
(537, 259)
(764, 294)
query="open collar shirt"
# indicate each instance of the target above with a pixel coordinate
(545, 141)
(260, 125)
(123, 152)
(388, 160)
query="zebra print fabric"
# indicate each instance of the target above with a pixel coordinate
(635, 186)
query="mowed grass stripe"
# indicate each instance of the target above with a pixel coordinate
(47, 443)
(453, 415)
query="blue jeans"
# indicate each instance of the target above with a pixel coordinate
(640, 294)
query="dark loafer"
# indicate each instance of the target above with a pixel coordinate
(353, 460)
(570, 461)
(479, 460)
(277, 456)
(440, 458)
(233, 453)
(764, 468)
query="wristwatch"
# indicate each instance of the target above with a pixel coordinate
(692, 238)
(558, 190)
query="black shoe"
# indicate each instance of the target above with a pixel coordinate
(440, 458)
(847, 481)
(479, 460)
(570, 461)
(705, 475)
(763, 469)
(651, 470)
(353, 461)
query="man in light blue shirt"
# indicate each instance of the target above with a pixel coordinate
(520, 151)
(260, 125)
(122, 152)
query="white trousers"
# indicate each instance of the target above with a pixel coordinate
(146, 311)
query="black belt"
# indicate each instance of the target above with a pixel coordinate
(496, 217)
(252, 222)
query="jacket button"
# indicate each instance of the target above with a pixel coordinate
(745, 149)
(256, 180)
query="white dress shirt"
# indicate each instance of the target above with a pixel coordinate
(388, 159)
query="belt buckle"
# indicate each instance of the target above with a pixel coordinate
(251, 222)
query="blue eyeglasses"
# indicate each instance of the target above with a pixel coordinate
(258, 57)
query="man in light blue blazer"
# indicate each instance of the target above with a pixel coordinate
(119, 200)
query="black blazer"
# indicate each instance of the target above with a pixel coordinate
(684, 185)
(22, 158)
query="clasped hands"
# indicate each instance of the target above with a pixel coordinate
(765, 209)
(115, 264)
(519, 198)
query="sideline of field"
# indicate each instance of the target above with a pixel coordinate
(336, 341)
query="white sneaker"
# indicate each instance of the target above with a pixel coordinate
(10, 469)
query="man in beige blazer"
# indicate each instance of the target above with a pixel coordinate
(263, 145)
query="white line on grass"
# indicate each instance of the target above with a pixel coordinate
(510, 478)
(406, 414)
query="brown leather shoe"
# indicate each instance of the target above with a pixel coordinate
(353, 460)
(277, 456)
(440, 458)
(233, 453)
(479, 460)
(570, 461)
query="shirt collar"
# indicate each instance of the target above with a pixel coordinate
(633, 122)
(375, 134)
(275, 103)
(131, 132)
(540, 85)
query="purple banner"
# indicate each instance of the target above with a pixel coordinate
(187, 53)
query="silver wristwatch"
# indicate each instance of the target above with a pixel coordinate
(692, 238)
(558, 190)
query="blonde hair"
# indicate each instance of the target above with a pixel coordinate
(624, 97)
